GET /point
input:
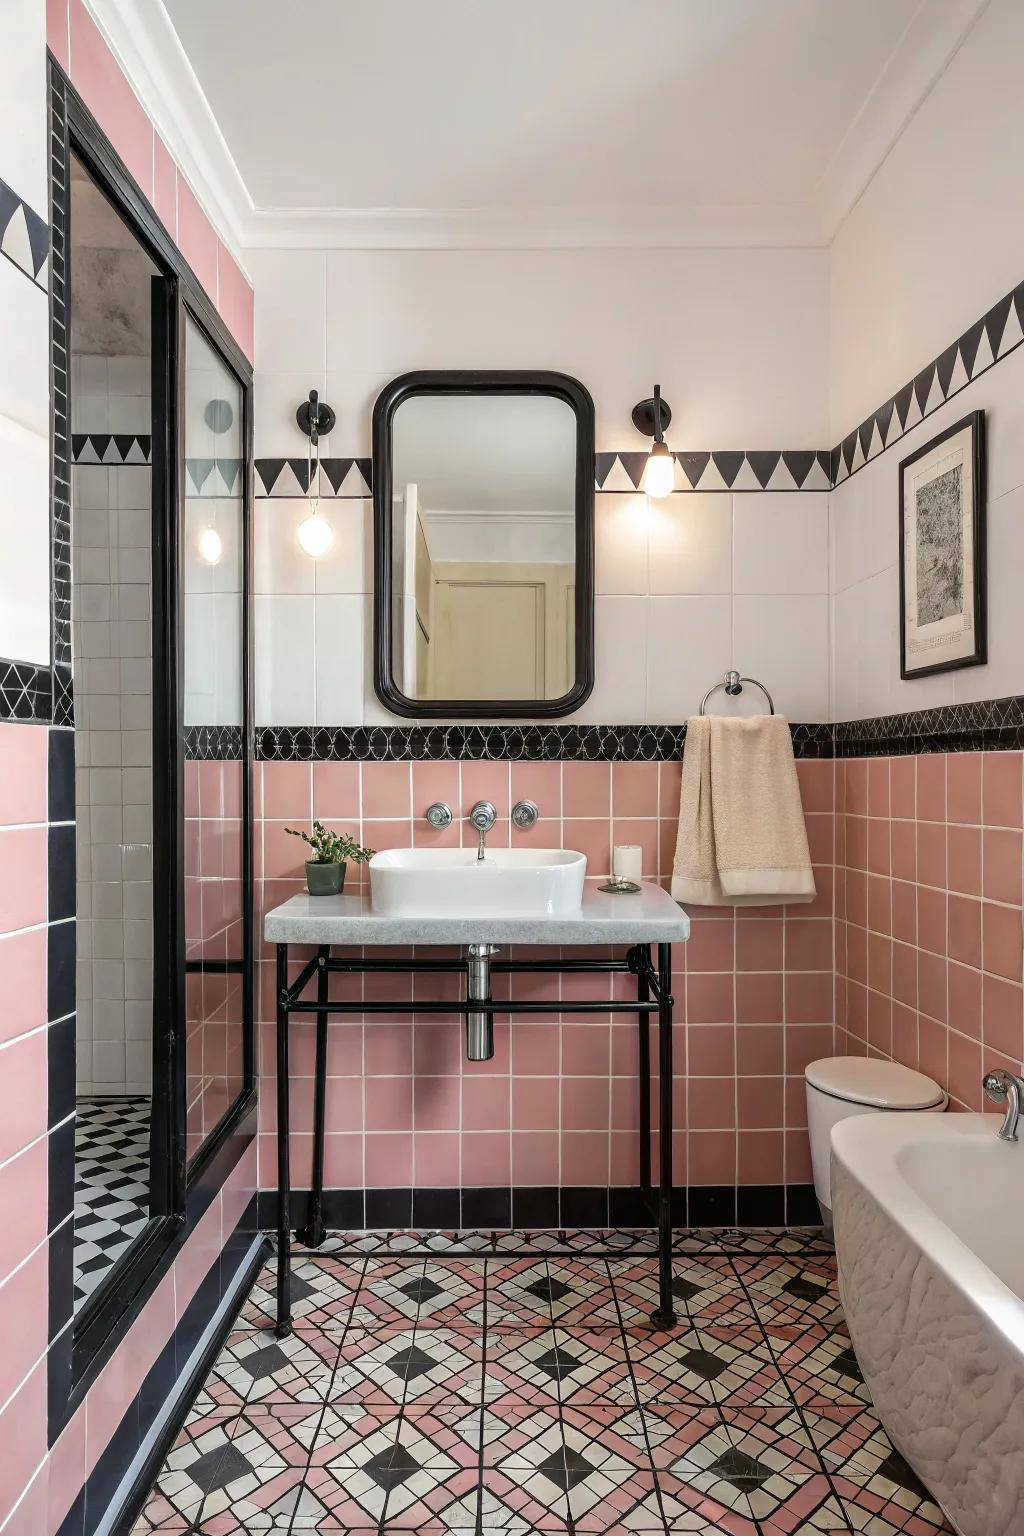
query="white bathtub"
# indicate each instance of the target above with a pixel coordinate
(929, 1227)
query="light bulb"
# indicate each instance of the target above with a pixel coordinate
(315, 534)
(210, 546)
(660, 474)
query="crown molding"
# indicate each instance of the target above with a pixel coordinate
(523, 228)
(148, 49)
(930, 41)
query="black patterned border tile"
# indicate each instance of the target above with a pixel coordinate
(26, 692)
(24, 236)
(60, 433)
(213, 743)
(495, 743)
(112, 448)
(213, 477)
(998, 333)
(990, 725)
(338, 477)
(774, 469)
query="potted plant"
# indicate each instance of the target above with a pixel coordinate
(331, 853)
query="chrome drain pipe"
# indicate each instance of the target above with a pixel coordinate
(480, 1026)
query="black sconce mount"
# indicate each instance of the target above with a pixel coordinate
(651, 417)
(315, 417)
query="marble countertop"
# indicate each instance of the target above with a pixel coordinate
(650, 917)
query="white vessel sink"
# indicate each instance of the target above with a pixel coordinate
(511, 882)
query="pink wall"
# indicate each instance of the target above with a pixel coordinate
(558, 1104)
(78, 47)
(929, 920)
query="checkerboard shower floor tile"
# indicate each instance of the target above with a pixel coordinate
(111, 1185)
(456, 1383)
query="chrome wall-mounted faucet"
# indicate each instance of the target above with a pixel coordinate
(1002, 1087)
(483, 816)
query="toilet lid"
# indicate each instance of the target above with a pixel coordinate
(882, 1084)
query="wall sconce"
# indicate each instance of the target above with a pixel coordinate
(315, 418)
(211, 547)
(651, 417)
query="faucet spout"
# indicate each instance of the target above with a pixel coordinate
(483, 816)
(1002, 1087)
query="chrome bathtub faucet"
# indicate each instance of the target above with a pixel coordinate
(483, 816)
(1003, 1087)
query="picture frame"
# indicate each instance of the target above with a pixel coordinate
(942, 552)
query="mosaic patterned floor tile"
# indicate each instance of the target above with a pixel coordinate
(321, 1296)
(452, 1387)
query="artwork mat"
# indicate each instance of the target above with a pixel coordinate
(959, 639)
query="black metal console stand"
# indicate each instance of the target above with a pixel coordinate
(653, 996)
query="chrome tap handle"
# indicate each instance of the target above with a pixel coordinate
(483, 815)
(1002, 1087)
(525, 814)
(439, 815)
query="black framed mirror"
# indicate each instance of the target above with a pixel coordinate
(483, 495)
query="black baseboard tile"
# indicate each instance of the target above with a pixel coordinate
(388, 1208)
(535, 1208)
(584, 1207)
(761, 1205)
(486, 1210)
(802, 1208)
(437, 1210)
(711, 1205)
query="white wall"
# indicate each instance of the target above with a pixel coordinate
(737, 340)
(938, 235)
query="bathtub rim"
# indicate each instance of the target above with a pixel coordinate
(867, 1152)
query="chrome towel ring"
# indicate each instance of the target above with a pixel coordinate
(732, 683)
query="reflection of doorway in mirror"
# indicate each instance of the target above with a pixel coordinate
(476, 621)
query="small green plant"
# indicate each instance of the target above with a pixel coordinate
(331, 847)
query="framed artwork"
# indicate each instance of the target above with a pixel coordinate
(942, 552)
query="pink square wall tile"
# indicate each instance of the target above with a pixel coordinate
(235, 299)
(23, 750)
(23, 1093)
(485, 781)
(963, 787)
(535, 1049)
(165, 187)
(196, 1259)
(592, 838)
(878, 787)
(23, 1437)
(1001, 855)
(486, 1159)
(23, 1199)
(66, 1469)
(24, 1297)
(388, 1160)
(535, 1103)
(437, 1158)
(22, 982)
(963, 852)
(711, 1157)
(1001, 941)
(435, 783)
(23, 887)
(99, 81)
(634, 789)
(1002, 789)
(535, 1158)
(585, 1157)
(760, 997)
(760, 1157)
(903, 788)
(387, 792)
(816, 781)
(197, 239)
(541, 783)
(931, 787)
(388, 1102)
(643, 835)
(586, 789)
(287, 792)
(336, 791)
(486, 1103)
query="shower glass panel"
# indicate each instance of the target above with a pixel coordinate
(213, 582)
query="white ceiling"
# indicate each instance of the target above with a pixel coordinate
(538, 121)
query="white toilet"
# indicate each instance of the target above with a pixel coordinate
(840, 1086)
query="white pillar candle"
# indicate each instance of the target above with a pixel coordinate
(628, 862)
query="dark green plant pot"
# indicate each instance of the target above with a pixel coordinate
(325, 879)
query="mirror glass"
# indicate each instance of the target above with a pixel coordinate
(483, 546)
(214, 587)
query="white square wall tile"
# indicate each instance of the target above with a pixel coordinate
(780, 542)
(284, 660)
(783, 641)
(621, 525)
(23, 105)
(340, 625)
(280, 565)
(689, 648)
(691, 544)
(620, 632)
(25, 541)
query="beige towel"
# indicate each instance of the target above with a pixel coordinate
(742, 838)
